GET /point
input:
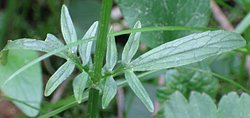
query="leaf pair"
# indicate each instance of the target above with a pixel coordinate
(70, 36)
(134, 83)
(110, 86)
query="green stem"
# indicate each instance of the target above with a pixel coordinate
(99, 57)
(160, 28)
(93, 104)
(101, 39)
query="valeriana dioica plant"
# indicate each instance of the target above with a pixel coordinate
(97, 77)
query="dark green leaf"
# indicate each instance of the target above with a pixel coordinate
(58, 77)
(109, 91)
(27, 86)
(186, 80)
(79, 84)
(137, 87)
(186, 50)
(194, 13)
(132, 45)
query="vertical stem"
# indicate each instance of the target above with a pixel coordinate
(93, 104)
(101, 39)
(99, 57)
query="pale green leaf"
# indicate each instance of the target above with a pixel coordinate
(177, 103)
(67, 27)
(51, 43)
(231, 106)
(109, 92)
(189, 49)
(79, 84)
(58, 77)
(132, 45)
(111, 55)
(85, 49)
(137, 87)
(202, 106)
(27, 86)
(193, 13)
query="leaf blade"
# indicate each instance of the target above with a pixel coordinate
(79, 84)
(111, 55)
(58, 77)
(85, 49)
(51, 43)
(23, 88)
(109, 91)
(132, 45)
(67, 28)
(195, 13)
(189, 49)
(138, 89)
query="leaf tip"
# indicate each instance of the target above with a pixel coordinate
(137, 24)
(64, 7)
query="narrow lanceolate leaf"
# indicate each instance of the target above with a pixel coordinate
(132, 45)
(189, 49)
(58, 77)
(85, 49)
(135, 84)
(79, 84)
(67, 27)
(109, 92)
(51, 43)
(111, 55)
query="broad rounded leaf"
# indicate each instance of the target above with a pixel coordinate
(58, 77)
(193, 13)
(85, 49)
(186, 50)
(233, 106)
(202, 106)
(27, 86)
(137, 87)
(79, 84)
(132, 45)
(67, 27)
(109, 92)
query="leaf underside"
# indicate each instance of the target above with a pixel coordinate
(186, 50)
(58, 77)
(137, 87)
